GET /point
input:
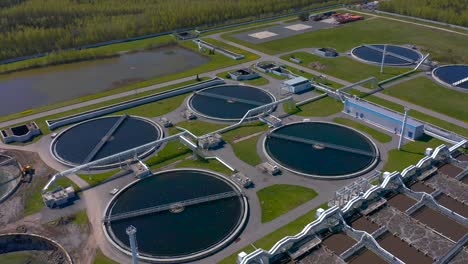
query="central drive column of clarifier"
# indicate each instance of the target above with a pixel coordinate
(131, 232)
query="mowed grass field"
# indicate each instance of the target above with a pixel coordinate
(443, 46)
(345, 68)
(427, 93)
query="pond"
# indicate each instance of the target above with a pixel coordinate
(38, 87)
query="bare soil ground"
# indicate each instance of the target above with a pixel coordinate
(75, 237)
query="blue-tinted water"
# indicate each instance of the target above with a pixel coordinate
(38, 87)
(195, 229)
(229, 109)
(453, 73)
(375, 56)
(75, 144)
(305, 158)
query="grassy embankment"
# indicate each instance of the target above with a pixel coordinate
(278, 199)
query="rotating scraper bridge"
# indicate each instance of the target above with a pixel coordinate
(171, 206)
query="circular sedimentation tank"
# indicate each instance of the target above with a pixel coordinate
(228, 102)
(34, 248)
(173, 227)
(452, 75)
(394, 56)
(321, 150)
(101, 137)
(10, 176)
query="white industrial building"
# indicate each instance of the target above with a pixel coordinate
(297, 85)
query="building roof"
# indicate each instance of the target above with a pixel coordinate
(295, 81)
(398, 117)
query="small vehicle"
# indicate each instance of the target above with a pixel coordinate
(114, 191)
(53, 135)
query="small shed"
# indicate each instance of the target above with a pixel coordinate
(297, 85)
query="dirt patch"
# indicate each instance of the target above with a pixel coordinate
(421, 187)
(463, 157)
(365, 256)
(338, 243)
(75, 237)
(12, 209)
(450, 170)
(440, 222)
(317, 65)
(402, 250)
(452, 204)
(364, 224)
(401, 202)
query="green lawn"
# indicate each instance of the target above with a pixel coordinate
(410, 153)
(157, 108)
(199, 128)
(201, 163)
(377, 135)
(269, 240)
(445, 47)
(427, 93)
(248, 55)
(414, 113)
(279, 199)
(256, 82)
(246, 150)
(244, 130)
(33, 202)
(100, 258)
(171, 152)
(322, 107)
(345, 68)
(80, 218)
(20, 257)
(94, 179)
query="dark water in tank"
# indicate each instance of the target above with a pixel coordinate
(376, 56)
(196, 228)
(221, 108)
(453, 73)
(305, 158)
(75, 144)
(38, 87)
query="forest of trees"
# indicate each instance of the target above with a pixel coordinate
(449, 11)
(33, 26)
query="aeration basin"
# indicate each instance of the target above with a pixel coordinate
(180, 215)
(228, 102)
(321, 150)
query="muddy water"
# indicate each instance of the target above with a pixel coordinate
(34, 88)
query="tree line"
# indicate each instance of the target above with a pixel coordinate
(448, 11)
(34, 26)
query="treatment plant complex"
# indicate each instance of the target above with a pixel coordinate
(336, 135)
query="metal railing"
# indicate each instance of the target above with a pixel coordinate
(105, 138)
(175, 205)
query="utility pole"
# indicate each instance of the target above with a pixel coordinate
(131, 232)
(403, 126)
